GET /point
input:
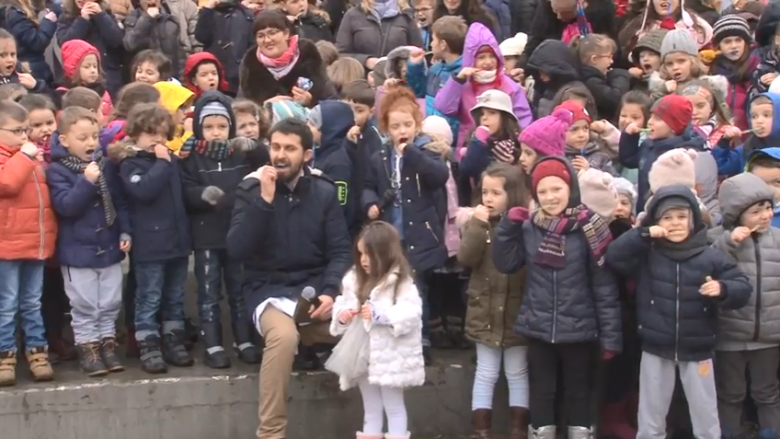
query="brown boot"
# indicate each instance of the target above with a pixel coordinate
(518, 423)
(7, 368)
(481, 421)
(38, 358)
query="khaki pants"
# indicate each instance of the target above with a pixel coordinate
(281, 341)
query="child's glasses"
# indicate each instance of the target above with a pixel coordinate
(18, 131)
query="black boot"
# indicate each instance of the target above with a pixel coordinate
(214, 355)
(306, 359)
(190, 334)
(174, 352)
(108, 354)
(90, 361)
(151, 357)
(245, 348)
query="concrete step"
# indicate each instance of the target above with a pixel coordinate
(201, 403)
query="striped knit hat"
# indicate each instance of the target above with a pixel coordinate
(731, 26)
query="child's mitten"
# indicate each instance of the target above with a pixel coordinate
(212, 195)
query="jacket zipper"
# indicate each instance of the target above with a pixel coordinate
(40, 213)
(555, 304)
(219, 166)
(677, 313)
(431, 230)
(419, 190)
(757, 331)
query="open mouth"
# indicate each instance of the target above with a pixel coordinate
(403, 140)
(676, 76)
(647, 67)
(90, 151)
(281, 166)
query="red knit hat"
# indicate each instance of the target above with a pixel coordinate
(549, 168)
(676, 111)
(73, 52)
(578, 112)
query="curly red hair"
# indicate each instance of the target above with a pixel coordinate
(399, 98)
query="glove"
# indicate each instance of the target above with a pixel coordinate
(243, 144)
(212, 195)
(518, 214)
(482, 133)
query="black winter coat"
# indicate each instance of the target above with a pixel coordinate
(160, 33)
(577, 303)
(210, 223)
(298, 240)
(161, 230)
(607, 90)
(313, 27)
(558, 62)
(423, 178)
(226, 32)
(676, 321)
(258, 85)
(31, 41)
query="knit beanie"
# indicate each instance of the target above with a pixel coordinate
(439, 127)
(214, 109)
(598, 192)
(287, 109)
(547, 136)
(676, 111)
(514, 46)
(731, 26)
(73, 52)
(671, 203)
(649, 41)
(673, 167)
(578, 112)
(549, 168)
(679, 40)
(625, 187)
(315, 116)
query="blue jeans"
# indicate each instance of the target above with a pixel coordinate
(211, 267)
(421, 282)
(160, 289)
(21, 287)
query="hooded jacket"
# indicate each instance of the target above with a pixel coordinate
(103, 32)
(557, 61)
(413, 207)
(632, 156)
(155, 201)
(210, 223)
(607, 90)
(299, 239)
(84, 240)
(226, 32)
(161, 33)
(31, 40)
(313, 26)
(29, 228)
(757, 325)
(191, 68)
(73, 54)
(331, 156)
(456, 99)
(731, 161)
(432, 82)
(395, 59)
(172, 97)
(772, 153)
(677, 322)
(259, 85)
(577, 303)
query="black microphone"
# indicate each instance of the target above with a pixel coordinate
(310, 295)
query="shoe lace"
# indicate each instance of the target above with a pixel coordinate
(109, 344)
(93, 352)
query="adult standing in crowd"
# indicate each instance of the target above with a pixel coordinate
(94, 23)
(470, 10)
(281, 63)
(151, 25)
(308, 21)
(557, 20)
(32, 35)
(289, 230)
(373, 28)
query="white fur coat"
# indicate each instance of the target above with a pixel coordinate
(396, 358)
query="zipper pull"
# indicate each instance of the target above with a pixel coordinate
(219, 166)
(487, 235)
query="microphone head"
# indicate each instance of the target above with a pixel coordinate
(309, 293)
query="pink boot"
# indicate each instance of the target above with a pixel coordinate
(406, 436)
(361, 435)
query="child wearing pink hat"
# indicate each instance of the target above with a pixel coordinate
(545, 137)
(81, 67)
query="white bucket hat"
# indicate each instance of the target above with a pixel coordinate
(495, 100)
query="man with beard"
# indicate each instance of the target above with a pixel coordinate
(289, 230)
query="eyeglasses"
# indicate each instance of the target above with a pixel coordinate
(267, 35)
(18, 131)
(423, 10)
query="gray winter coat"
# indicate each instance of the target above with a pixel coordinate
(757, 325)
(577, 303)
(361, 36)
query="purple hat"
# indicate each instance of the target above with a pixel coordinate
(547, 136)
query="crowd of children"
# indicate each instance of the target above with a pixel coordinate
(596, 217)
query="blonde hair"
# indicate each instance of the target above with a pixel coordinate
(328, 52)
(593, 44)
(344, 71)
(26, 7)
(697, 68)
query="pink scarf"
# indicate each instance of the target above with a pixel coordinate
(282, 64)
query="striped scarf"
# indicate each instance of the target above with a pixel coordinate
(551, 250)
(77, 165)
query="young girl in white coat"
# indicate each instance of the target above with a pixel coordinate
(379, 289)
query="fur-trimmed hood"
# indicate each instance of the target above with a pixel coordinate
(395, 58)
(259, 85)
(125, 148)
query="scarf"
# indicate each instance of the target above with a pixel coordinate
(283, 64)
(385, 9)
(506, 150)
(682, 251)
(485, 76)
(551, 250)
(217, 150)
(77, 165)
